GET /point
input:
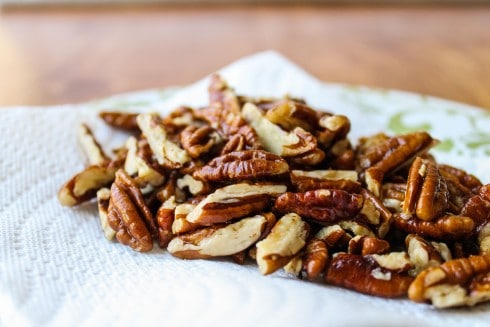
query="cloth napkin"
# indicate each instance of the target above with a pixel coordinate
(57, 269)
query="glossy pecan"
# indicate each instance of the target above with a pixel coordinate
(443, 228)
(447, 285)
(478, 208)
(346, 180)
(467, 180)
(315, 258)
(333, 128)
(363, 274)
(121, 120)
(198, 140)
(334, 237)
(249, 164)
(426, 195)
(425, 254)
(323, 206)
(129, 215)
(234, 201)
(290, 114)
(376, 213)
(364, 245)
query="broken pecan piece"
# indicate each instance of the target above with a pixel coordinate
(198, 140)
(90, 147)
(425, 254)
(315, 259)
(325, 179)
(364, 245)
(323, 206)
(103, 196)
(121, 120)
(365, 275)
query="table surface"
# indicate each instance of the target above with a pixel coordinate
(64, 55)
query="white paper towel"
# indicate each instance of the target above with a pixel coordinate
(56, 268)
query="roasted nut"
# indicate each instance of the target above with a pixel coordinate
(424, 254)
(286, 239)
(90, 147)
(323, 206)
(426, 193)
(393, 195)
(180, 223)
(103, 196)
(275, 139)
(121, 120)
(376, 213)
(334, 237)
(84, 185)
(242, 165)
(218, 241)
(447, 285)
(467, 180)
(170, 189)
(334, 129)
(364, 245)
(198, 140)
(165, 220)
(365, 275)
(167, 153)
(233, 201)
(316, 257)
(393, 261)
(345, 180)
(195, 187)
(308, 159)
(136, 164)
(179, 119)
(444, 228)
(290, 114)
(478, 207)
(236, 143)
(355, 228)
(129, 216)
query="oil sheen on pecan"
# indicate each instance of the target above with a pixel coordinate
(323, 206)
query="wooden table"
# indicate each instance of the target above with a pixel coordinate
(60, 55)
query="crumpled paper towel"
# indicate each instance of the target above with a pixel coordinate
(57, 269)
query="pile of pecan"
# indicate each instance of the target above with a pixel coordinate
(278, 182)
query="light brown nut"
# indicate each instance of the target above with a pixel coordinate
(90, 147)
(376, 213)
(323, 206)
(217, 241)
(136, 164)
(290, 114)
(424, 254)
(275, 139)
(165, 219)
(249, 164)
(179, 119)
(444, 228)
(167, 152)
(198, 140)
(180, 223)
(334, 236)
(295, 265)
(447, 285)
(426, 194)
(233, 201)
(121, 120)
(363, 274)
(195, 187)
(129, 215)
(103, 196)
(356, 228)
(346, 180)
(286, 239)
(364, 245)
(84, 185)
(315, 258)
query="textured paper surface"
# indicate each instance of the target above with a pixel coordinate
(57, 269)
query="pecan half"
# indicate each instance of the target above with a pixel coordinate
(426, 193)
(286, 239)
(323, 206)
(447, 285)
(363, 274)
(216, 241)
(315, 258)
(249, 164)
(129, 215)
(346, 180)
(444, 228)
(121, 120)
(233, 201)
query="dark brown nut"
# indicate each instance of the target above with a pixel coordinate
(129, 215)
(323, 206)
(427, 194)
(275, 139)
(392, 155)
(447, 285)
(478, 208)
(367, 245)
(425, 254)
(180, 223)
(90, 147)
(165, 220)
(458, 193)
(121, 120)
(138, 164)
(444, 228)
(198, 140)
(249, 164)
(315, 259)
(217, 241)
(168, 153)
(365, 275)
(233, 201)
(467, 180)
(84, 185)
(103, 196)
(334, 236)
(286, 239)
(345, 180)
(333, 129)
(239, 257)
(290, 114)
(376, 213)
(271, 221)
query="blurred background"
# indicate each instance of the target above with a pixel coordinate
(66, 51)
